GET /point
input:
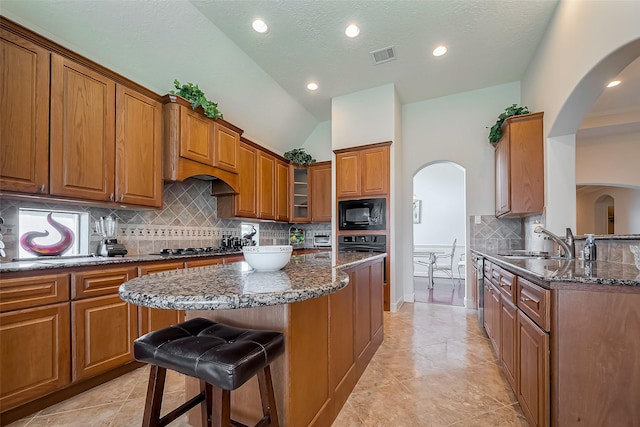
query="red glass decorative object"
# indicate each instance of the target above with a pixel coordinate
(66, 240)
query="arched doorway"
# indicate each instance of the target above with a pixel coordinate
(439, 218)
(604, 210)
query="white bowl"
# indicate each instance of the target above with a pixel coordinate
(267, 258)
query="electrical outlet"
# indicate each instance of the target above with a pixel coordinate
(477, 219)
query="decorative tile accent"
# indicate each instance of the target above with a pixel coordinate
(495, 234)
(188, 219)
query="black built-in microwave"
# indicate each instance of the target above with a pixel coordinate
(362, 214)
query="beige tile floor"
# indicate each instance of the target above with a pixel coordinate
(435, 368)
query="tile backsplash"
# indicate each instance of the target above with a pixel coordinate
(495, 234)
(188, 219)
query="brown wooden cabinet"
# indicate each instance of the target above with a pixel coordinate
(508, 342)
(152, 319)
(282, 190)
(24, 122)
(103, 326)
(82, 140)
(138, 177)
(226, 140)
(533, 371)
(519, 167)
(320, 178)
(34, 336)
(266, 184)
(363, 171)
(74, 131)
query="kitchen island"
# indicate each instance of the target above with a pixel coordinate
(566, 334)
(329, 309)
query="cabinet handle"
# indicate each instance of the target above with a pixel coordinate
(525, 299)
(111, 197)
(42, 187)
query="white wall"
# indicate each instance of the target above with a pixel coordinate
(610, 160)
(174, 41)
(362, 118)
(586, 44)
(318, 144)
(626, 204)
(452, 128)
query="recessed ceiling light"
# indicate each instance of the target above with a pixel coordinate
(312, 86)
(352, 30)
(613, 83)
(439, 51)
(260, 26)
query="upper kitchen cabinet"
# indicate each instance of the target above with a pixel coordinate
(282, 190)
(24, 122)
(266, 185)
(363, 171)
(194, 144)
(519, 167)
(320, 177)
(138, 148)
(82, 132)
(226, 139)
(73, 129)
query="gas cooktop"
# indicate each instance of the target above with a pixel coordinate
(197, 251)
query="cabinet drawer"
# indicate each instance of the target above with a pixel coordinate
(487, 269)
(202, 262)
(494, 277)
(24, 292)
(507, 285)
(95, 283)
(158, 268)
(534, 301)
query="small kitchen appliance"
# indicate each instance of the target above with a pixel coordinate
(107, 226)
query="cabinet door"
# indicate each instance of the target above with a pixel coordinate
(152, 319)
(348, 179)
(138, 149)
(362, 310)
(502, 174)
(104, 329)
(282, 191)
(35, 353)
(375, 171)
(377, 298)
(266, 186)
(508, 348)
(533, 371)
(341, 344)
(24, 121)
(82, 142)
(321, 193)
(196, 136)
(246, 200)
(225, 144)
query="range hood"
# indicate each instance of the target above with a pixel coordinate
(178, 167)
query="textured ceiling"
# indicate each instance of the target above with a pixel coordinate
(490, 43)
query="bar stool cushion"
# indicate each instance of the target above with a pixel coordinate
(219, 354)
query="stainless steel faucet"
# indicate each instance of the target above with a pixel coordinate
(567, 244)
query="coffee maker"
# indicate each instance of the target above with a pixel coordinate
(107, 226)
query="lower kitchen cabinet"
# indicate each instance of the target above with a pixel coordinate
(35, 349)
(104, 329)
(508, 348)
(152, 319)
(533, 371)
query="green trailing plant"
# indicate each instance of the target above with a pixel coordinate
(197, 98)
(496, 130)
(299, 157)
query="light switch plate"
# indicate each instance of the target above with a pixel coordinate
(477, 219)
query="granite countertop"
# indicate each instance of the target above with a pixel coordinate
(44, 263)
(559, 271)
(236, 285)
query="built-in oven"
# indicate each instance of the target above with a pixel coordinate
(362, 214)
(375, 243)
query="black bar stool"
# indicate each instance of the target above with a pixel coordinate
(221, 356)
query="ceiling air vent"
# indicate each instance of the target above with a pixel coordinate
(383, 55)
